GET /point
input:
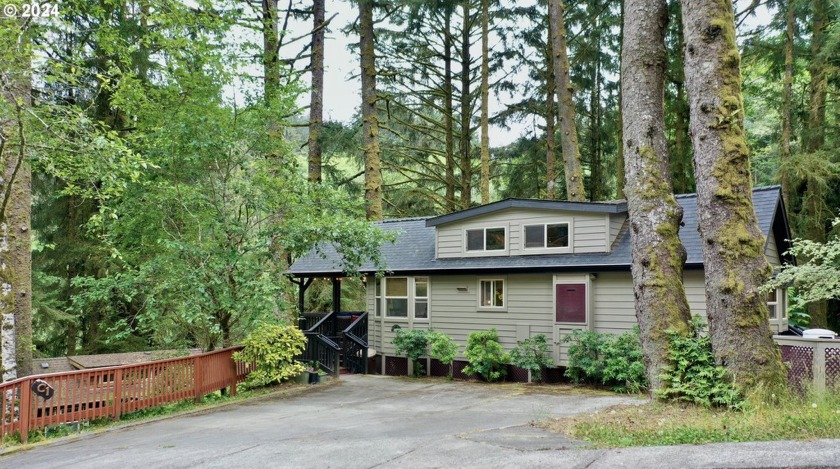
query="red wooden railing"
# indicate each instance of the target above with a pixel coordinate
(113, 391)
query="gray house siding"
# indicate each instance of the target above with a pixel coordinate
(771, 251)
(589, 232)
(530, 309)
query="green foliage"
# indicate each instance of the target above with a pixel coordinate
(693, 375)
(797, 310)
(818, 277)
(442, 348)
(272, 348)
(609, 359)
(486, 356)
(414, 343)
(532, 354)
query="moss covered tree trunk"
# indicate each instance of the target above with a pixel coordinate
(15, 203)
(550, 143)
(466, 106)
(370, 126)
(485, 102)
(655, 216)
(565, 104)
(733, 244)
(449, 123)
(787, 100)
(316, 102)
(271, 44)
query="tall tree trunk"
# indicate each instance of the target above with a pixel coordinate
(565, 104)
(655, 215)
(448, 118)
(316, 102)
(485, 102)
(733, 244)
(681, 158)
(466, 101)
(15, 205)
(787, 99)
(619, 159)
(550, 142)
(271, 42)
(812, 213)
(595, 177)
(819, 77)
(370, 126)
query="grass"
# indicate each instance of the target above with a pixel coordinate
(207, 402)
(666, 423)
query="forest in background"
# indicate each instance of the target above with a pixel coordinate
(165, 206)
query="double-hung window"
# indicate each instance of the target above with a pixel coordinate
(403, 297)
(491, 294)
(547, 236)
(486, 239)
(776, 304)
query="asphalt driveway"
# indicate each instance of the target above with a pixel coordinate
(372, 421)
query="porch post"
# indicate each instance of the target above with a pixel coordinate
(336, 303)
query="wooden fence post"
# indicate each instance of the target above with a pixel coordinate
(197, 378)
(818, 366)
(118, 378)
(25, 409)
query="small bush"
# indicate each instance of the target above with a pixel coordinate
(272, 348)
(414, 343)
(442, 348)
(693, 375)
(533, 355)
(615, 360)
(486, 356)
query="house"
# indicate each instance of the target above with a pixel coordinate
(526, 267)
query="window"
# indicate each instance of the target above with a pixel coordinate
(491, 293)
(486, 239)
(775, 305)
(377, 310)
(403, 297)
(549, 235)
(570, 303)
(396, 297)
(421, 298)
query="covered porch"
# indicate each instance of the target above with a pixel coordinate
(336, 340)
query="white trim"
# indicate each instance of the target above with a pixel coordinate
(484, 252)
(548, 250)
(504, 306)
(410, 299)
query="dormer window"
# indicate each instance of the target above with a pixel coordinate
(486, 239)
(547, 236)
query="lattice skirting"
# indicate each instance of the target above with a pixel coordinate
(799, 361)
(396, 366)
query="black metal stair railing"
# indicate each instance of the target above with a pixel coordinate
(354, 345)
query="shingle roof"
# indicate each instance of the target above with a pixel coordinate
(414, 249)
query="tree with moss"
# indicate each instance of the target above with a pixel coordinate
(655, 215)
(370, 126)
(733, 244)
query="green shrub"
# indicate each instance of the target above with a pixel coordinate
(272, 348)
(486, 356)
(533, 355)
(442, 348)
(414, 344)
(615, 360)
(693, 375)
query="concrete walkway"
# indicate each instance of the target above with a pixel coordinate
(371, 421)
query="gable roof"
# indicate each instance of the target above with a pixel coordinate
(413, 252)
(618, 206)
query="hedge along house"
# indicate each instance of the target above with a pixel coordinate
(527, 267)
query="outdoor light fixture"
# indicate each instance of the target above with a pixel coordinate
(593, 276)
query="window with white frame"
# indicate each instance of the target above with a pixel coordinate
(377, 310)
(421, 298)
(775, 303)
(403, 297)
(491, 293)
(486, 239)
(547, 236)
